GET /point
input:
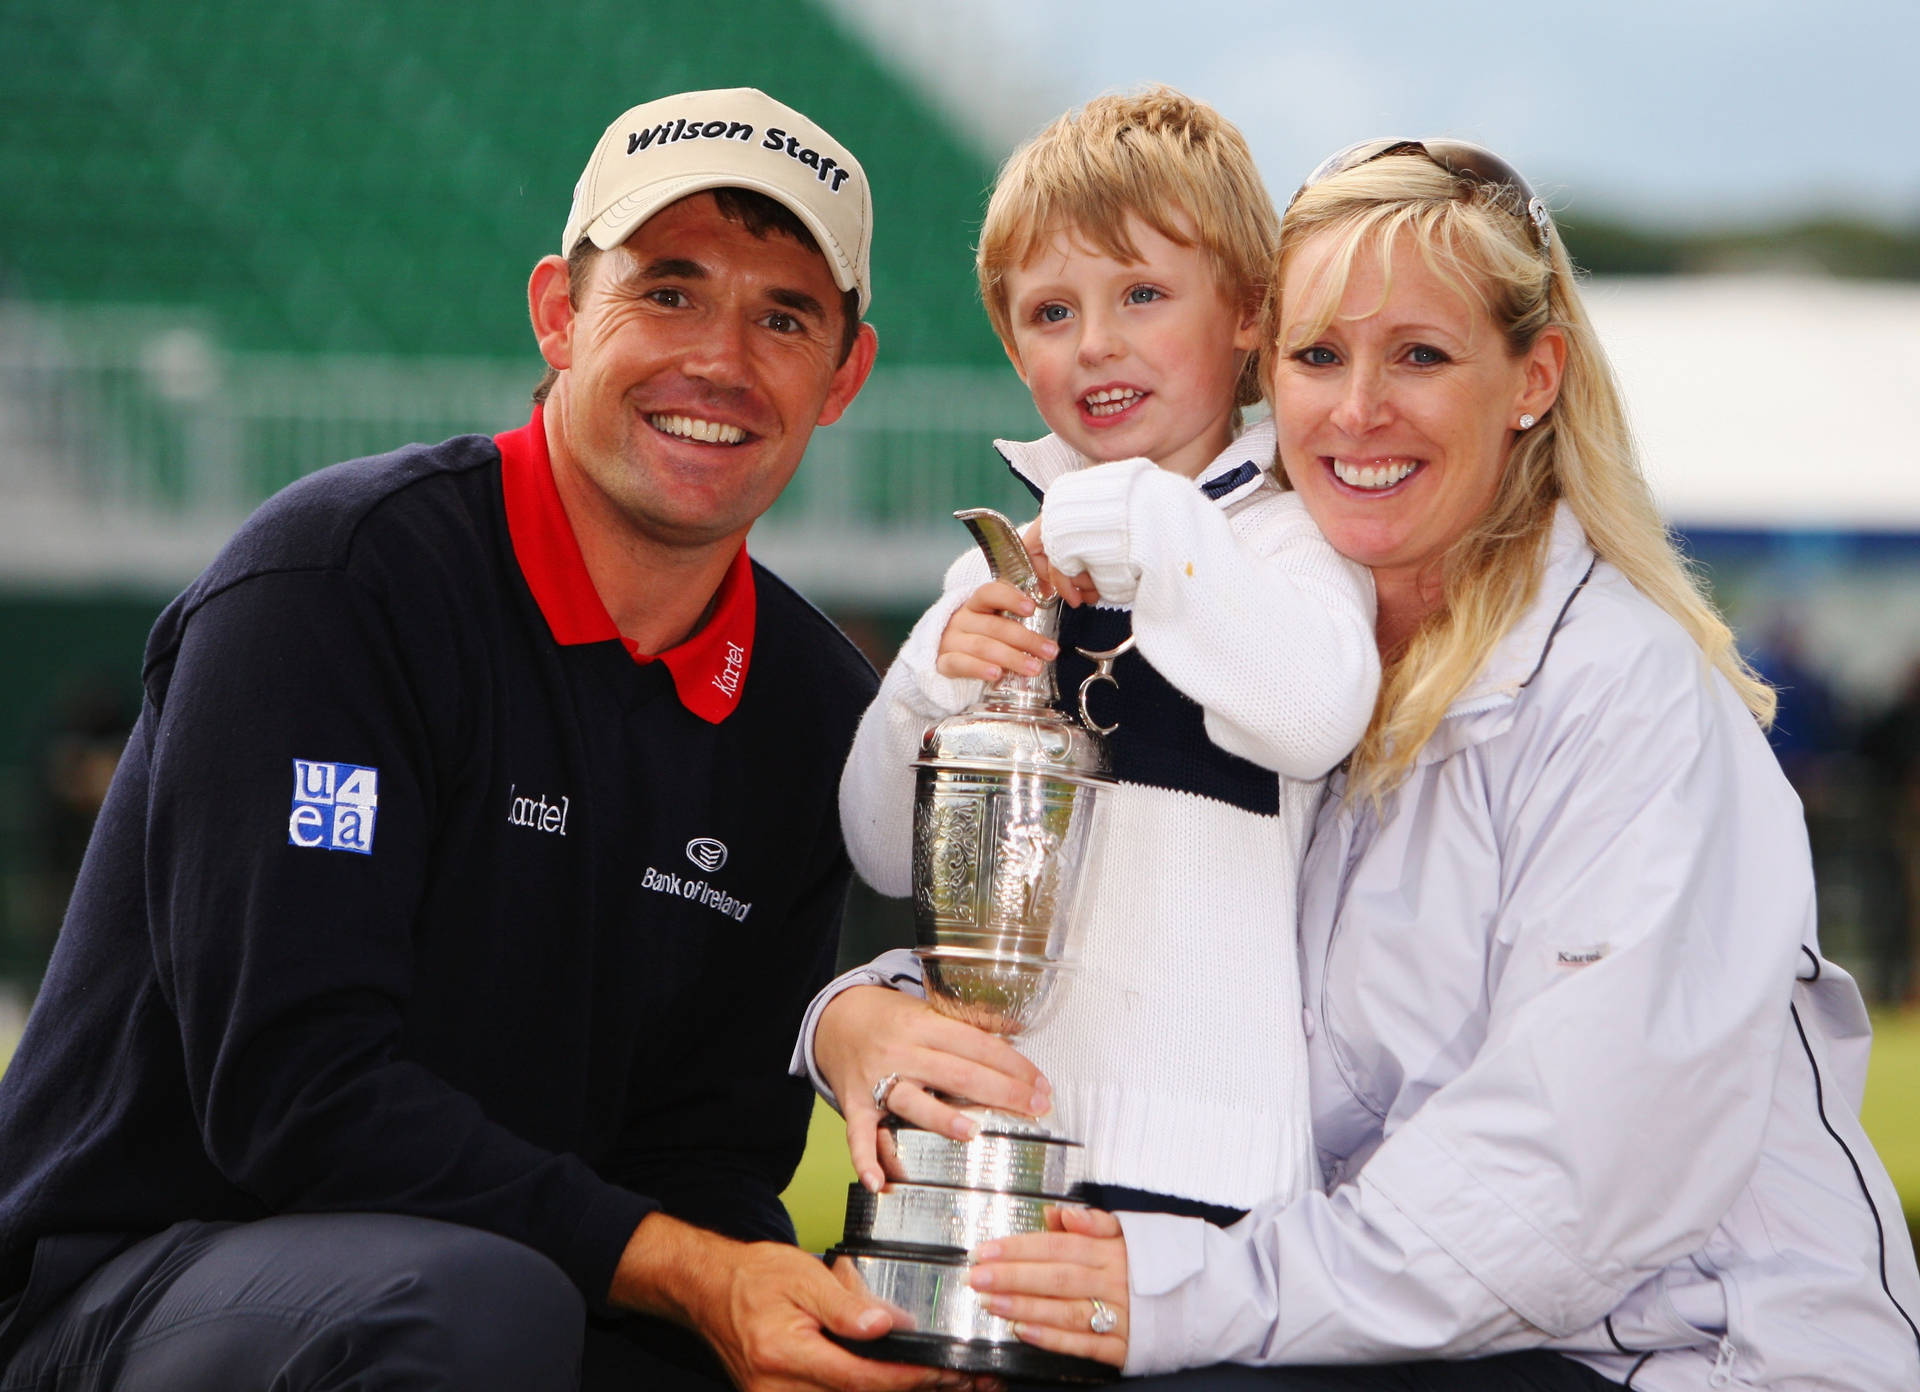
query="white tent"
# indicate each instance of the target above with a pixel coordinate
(1788, 406)
(1772, 403)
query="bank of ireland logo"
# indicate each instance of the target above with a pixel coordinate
(334, 806)
(707, 853)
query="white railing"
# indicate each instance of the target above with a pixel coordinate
(123, 427)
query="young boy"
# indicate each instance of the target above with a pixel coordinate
(1123, 262)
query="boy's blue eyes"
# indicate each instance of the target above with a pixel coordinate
(1058, 313)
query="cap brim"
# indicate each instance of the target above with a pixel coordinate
(617, 223)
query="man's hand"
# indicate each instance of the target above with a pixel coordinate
(868, 1032)
(763, 1307)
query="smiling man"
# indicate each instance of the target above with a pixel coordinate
(422, 1013)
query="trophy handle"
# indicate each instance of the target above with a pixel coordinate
(1006, 554)
(1102, 672)
(1008, 561)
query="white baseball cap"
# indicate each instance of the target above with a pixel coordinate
(737, 137)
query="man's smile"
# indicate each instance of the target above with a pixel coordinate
(697, 429)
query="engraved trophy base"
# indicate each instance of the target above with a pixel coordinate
(909, 1242)
(950, 1328)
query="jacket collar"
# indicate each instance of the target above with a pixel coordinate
(1234, 473)
(709, 669)
(1486, 706)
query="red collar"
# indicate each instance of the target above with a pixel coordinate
(708, 670)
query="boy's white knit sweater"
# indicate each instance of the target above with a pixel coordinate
(1176, 1048)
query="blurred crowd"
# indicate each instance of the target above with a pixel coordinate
(1857, 771)
(78, 750)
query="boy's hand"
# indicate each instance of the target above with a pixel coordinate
(982, 643)
(1076, 590)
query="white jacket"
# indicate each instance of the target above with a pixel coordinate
(1175, 1047)
(1580, 1078)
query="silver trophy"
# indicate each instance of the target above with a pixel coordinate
(1003, 807)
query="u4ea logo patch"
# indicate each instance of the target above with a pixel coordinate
(333, 806)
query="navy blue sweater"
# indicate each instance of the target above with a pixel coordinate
(399, 904)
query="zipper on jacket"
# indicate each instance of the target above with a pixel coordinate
(1479, 705)
(1722, 1364)
(1351, 819)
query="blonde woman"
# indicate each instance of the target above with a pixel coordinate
(1584, 1090)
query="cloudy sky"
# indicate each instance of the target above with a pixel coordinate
(1681, 111)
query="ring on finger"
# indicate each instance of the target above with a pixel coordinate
(883, 1089)
(1103, 1318)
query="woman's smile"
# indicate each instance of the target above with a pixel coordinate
(1373, 475)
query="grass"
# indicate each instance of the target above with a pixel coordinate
(817, 1198)
(1891, 1110)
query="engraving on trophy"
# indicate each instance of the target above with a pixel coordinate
(947, 857)
(1023, 890)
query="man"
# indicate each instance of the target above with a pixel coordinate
(427, 989)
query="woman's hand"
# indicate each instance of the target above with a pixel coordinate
(1060, 1286)
(981, 642)
(867, 1033)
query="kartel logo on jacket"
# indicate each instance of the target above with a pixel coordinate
(536, 813)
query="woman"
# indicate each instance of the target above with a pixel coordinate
(1584, 1090)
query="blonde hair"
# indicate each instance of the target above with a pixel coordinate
(1173, 162)
(1474, 235)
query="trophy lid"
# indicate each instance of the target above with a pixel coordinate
(990, 738)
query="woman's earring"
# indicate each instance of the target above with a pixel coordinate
(1526, 422)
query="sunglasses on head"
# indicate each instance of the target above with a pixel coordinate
(1456, 157)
